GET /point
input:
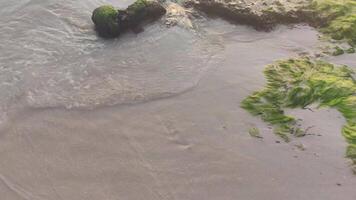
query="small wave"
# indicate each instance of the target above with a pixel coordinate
(51, 49)
(157, 63)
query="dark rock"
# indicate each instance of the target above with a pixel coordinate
(106, 22)
(110, 22)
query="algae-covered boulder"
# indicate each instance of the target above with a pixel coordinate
(144, 10)
(106, 22)
(343, 28)
(110, 22)
(337, 18)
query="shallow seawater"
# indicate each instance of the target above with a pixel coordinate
(154, 115)
(51, 57)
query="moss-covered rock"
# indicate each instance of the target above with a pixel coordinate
(106, 22)
(328, 10)
(138, 6)
(143, 10)
(337, 18)
(334, 18)
(110, 22)
(298, 83)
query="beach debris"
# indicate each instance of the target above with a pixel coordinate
(300, 146)
(177, 15)
(255, 132)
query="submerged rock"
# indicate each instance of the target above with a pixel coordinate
(298, 83)
(110, 22)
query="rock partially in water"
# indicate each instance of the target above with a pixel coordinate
(335, 18)
(106, 21)
(110, 22)
(140, 11)
(262, 14)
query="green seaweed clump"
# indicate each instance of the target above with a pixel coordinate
(337, 18)
(338, 51)
(297, 83)
(350, 50)
(105, 19)
(343, 28)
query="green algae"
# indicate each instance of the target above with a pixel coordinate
(105, 19)
(330, 9)
(298, 83)
(350, 50)
(337, 19)
(338, 51)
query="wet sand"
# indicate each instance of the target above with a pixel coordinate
(193, 145)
